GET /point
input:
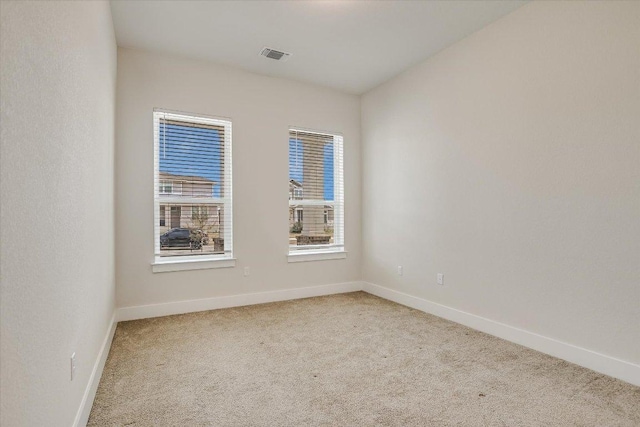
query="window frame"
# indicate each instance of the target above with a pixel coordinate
(193, 262)
(337, 250)
(176, 187)
(162, 216)
(195, 208)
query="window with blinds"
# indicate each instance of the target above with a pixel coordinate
(192, 186)
(316, 192)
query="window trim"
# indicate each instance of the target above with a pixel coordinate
(187, 262)
(193, 262)
(316, 255)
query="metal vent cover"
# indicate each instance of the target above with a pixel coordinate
(274, 54)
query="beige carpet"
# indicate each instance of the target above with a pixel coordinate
(342, 360)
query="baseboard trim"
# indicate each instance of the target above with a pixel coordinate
(601, 363)
(190, 306)
(623, 370)
(82, 417)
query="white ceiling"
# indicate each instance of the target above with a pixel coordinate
(349, 45)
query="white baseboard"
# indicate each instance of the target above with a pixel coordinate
(607, 365)
(82, 417)
(190, 306)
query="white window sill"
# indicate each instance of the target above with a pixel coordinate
(316, 256)
(163, 265)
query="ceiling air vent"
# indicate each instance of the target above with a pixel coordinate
(275, 54)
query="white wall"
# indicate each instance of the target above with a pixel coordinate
(261, 109)
(57, 216)
(510, 162)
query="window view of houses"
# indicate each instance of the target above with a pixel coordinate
(311, 189)
(190, 188)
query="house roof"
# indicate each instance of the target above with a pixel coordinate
(190, 178)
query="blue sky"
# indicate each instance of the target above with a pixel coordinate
(198, 152)
(191, 151)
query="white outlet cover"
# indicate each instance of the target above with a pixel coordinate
(247, 271)
(399, 270)
(440, 278)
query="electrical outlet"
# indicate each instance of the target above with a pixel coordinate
(440, 279)
(73, 366)
(399, 270)
(246, 271)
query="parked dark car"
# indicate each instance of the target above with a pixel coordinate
(176, 238)
(182, 238)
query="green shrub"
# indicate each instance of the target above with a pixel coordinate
(296, 228)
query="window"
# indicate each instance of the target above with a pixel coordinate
(196, 212)
(192, 176)
(316, 193)
(170, 187)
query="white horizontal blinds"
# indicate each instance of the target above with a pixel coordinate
(316, 191)
(192, 185)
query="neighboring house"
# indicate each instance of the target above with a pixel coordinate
(187, 215)
(296, 214)
(295, 193)
(295, 190)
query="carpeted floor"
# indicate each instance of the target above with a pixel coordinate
(342, 360)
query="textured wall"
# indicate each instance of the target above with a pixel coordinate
(58, 73)
(261, 109)
(510, 162)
